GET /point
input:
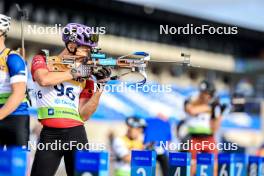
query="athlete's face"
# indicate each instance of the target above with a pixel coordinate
(72, 46)
(134, 133)
(205, 97)
(80, 50)
(83, 51)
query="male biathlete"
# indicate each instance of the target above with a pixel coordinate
(14, 116)
(64, 103)
(204, 120)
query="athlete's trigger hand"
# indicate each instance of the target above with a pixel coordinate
(103, 75)
(80, 72)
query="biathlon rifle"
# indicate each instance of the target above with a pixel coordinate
(136, 62)
(23, 16)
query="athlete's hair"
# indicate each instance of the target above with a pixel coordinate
(207, 86)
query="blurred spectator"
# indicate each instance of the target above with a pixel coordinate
(245, 87)
(238, 102)
(122, 146)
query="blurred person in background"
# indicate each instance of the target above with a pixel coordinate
(122, 146)
(65, 102)
(14, 115)
(245, 87)
(204, 118)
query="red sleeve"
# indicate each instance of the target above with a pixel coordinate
(38, 62)
(88, 91)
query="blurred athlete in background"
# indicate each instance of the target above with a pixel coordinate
(122, 146)
(204, 114)
(65, 102)
(14, 115)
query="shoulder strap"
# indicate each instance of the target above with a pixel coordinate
(5, 53)
(8, 52)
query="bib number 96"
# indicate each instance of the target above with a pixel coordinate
(62, 91)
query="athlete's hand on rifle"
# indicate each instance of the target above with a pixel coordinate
(80, 72)
(102, 75)
(216, 103)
